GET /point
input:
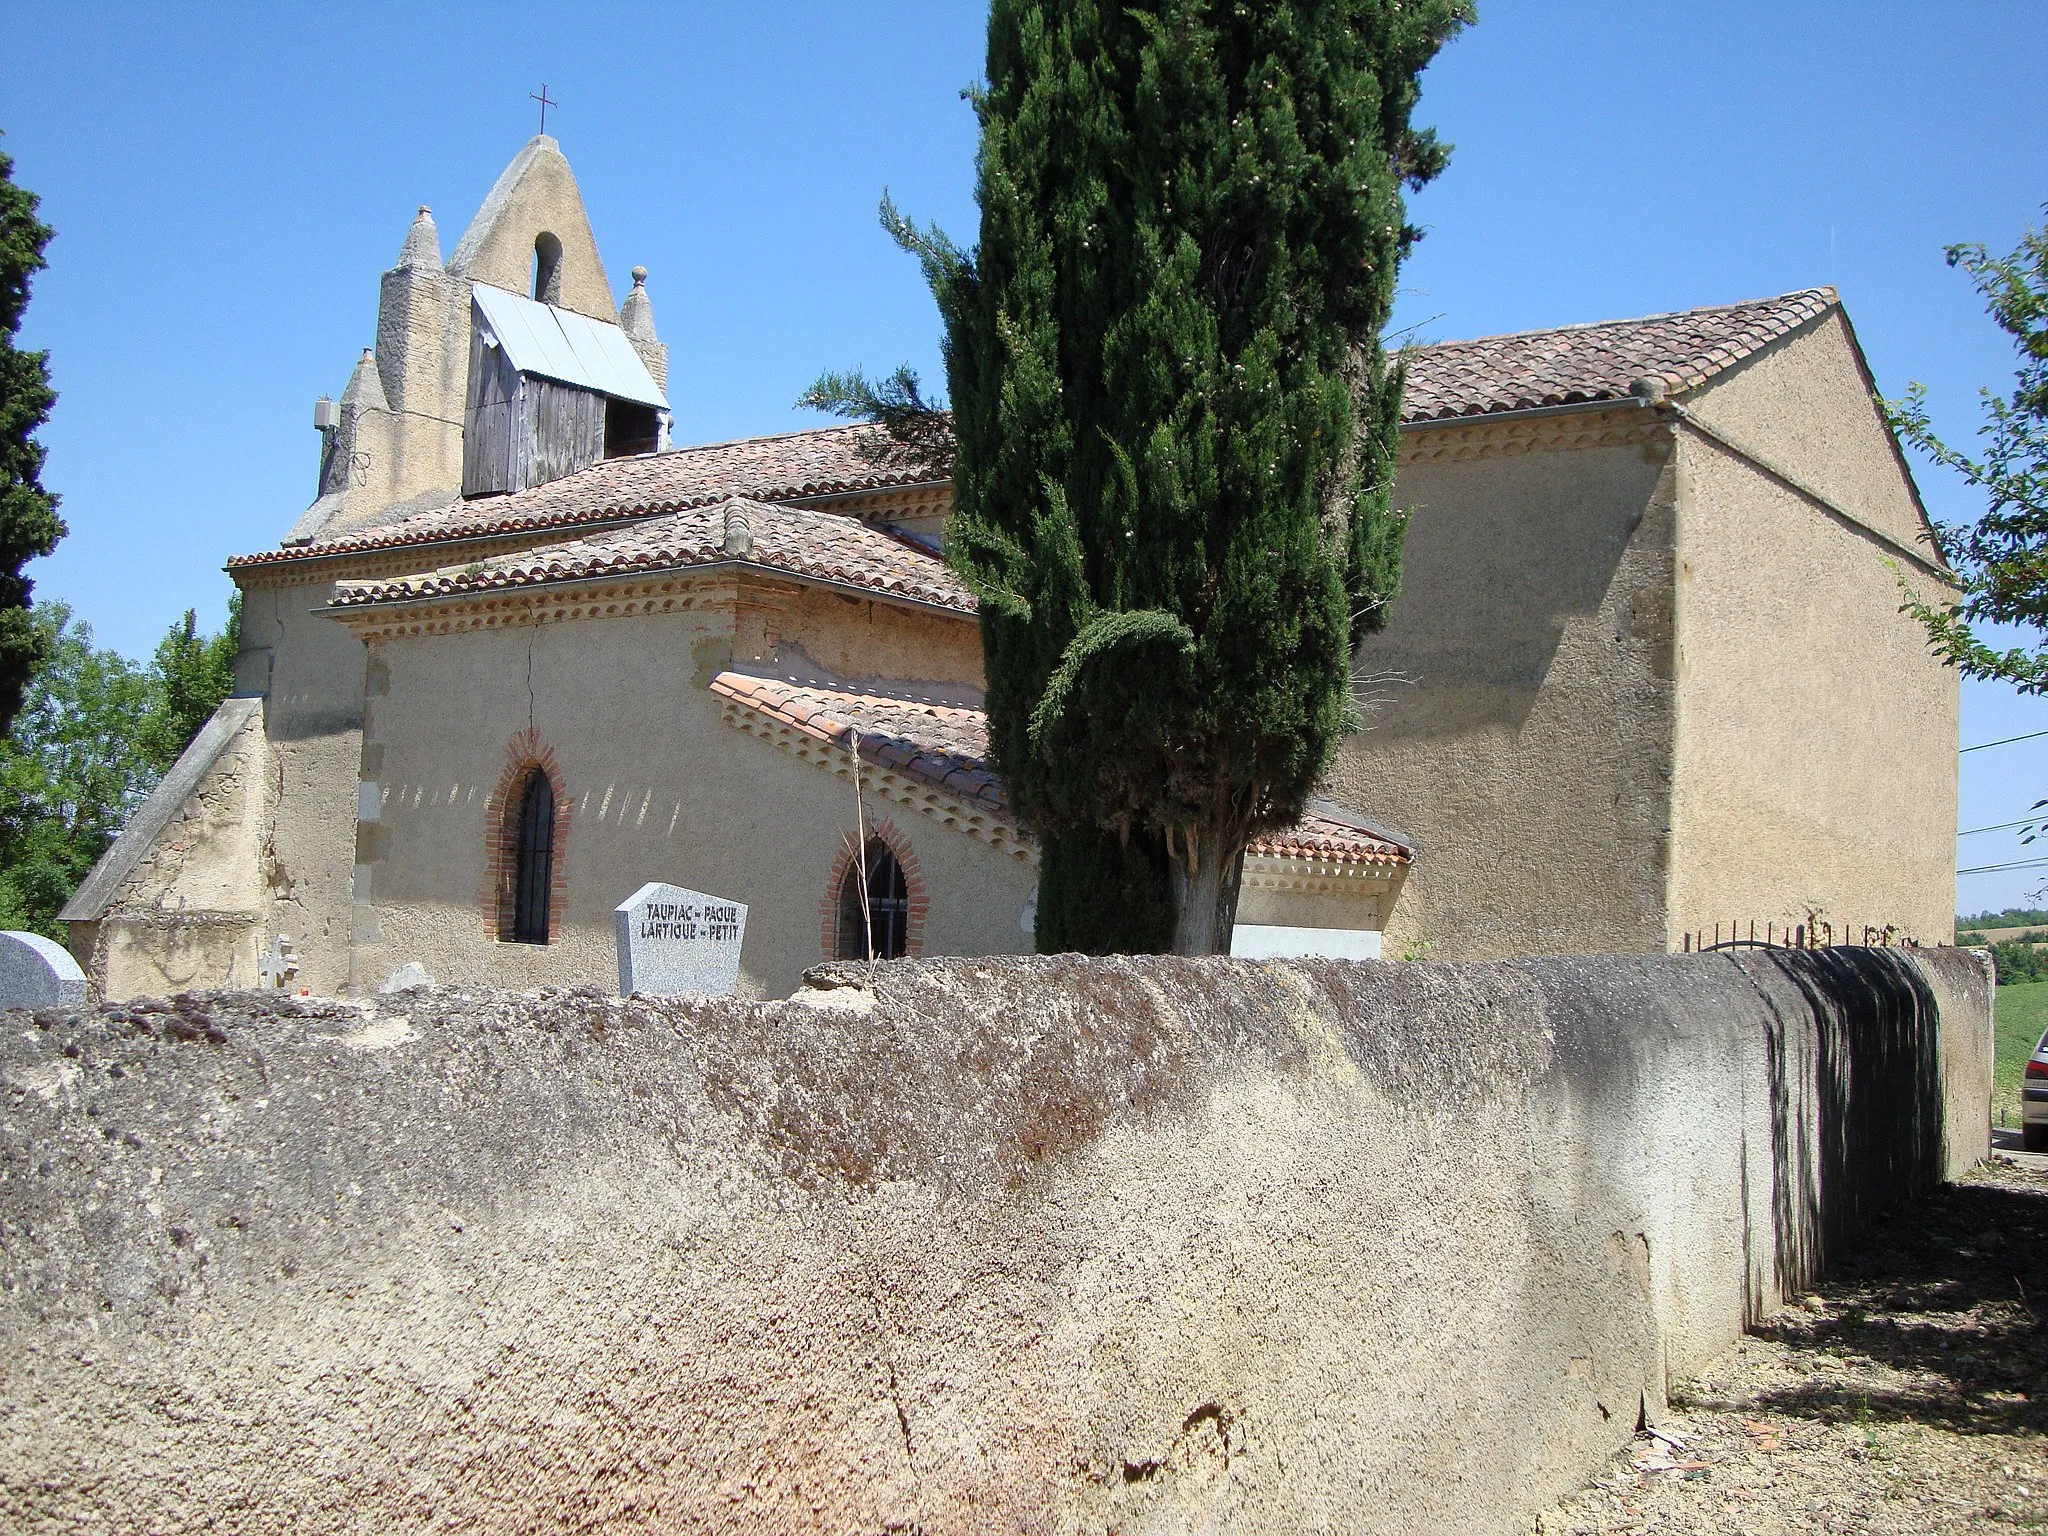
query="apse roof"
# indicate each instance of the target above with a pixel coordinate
(562, 345)
(826, 461)
(947, 744)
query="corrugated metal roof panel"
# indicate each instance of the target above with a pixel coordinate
(567, 347)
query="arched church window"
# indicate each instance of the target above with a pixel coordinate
(547, 268)
(534, 870)
(882, 932)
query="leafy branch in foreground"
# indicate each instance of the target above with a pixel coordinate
(917, 434)
(2001, 558)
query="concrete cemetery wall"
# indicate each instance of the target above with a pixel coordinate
(1040, 1245)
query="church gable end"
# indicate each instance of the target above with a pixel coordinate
(533, 226)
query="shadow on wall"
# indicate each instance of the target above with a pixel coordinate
(1868, 1052)
(1503, 558)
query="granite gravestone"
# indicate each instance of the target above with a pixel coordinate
(36, 972)
(672, 940)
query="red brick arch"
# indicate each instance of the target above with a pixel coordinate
(523, 753)
(913, 886)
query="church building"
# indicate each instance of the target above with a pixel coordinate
(1646, 675)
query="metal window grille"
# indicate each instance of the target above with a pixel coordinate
(534, 874)
(888, 917)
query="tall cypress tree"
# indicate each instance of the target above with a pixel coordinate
(29, 525)
(1175, 425)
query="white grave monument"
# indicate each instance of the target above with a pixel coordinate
(36, 972)
(406, 977)
(672, 940)
(279, 963)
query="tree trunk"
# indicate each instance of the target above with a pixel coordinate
(1205, 895)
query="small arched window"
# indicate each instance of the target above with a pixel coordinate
(883, 931)
(547, 268)
(534, 867)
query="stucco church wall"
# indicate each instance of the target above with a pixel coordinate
(1143, 1245)
(1330, 905)
(1807, 398)
(1519, 701)
(1816, 734)
(659, 787)
(191, 912)
(311, 671)
(856, 638)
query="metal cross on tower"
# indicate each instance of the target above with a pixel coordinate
(545, 103)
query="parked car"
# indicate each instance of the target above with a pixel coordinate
(2034, 1100)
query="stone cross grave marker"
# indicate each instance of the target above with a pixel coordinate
(36, 972)
(673, 940)
(279, 963)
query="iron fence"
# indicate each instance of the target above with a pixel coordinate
(1815, 933)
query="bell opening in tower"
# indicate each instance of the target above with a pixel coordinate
(630, 428)
(547, 268)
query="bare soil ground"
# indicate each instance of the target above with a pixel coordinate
(1907, 1394)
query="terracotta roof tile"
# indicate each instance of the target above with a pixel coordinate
(943, 743)
(788, 467)
(1327, 833)
(947, 744)
(821, 545)
(1597, 362)
(1578, 363)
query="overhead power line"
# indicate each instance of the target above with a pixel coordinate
(2008, 741)
(2007, 826)
(1985, 869)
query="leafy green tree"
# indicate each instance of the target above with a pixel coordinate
(2011, 917)
(2019, 960)
(29, 525)
(190, 675)
(71, 770)
(1174, 423)
(2002, 557)
(94, 735)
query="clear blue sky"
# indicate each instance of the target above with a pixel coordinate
(227, 183)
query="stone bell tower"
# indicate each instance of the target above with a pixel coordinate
(393, 442)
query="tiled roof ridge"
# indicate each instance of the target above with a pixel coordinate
(1597, 362)
(1824, 292)
(695, 536)
(623, 506)
(769, 437)
(809, 707)
(1450, 381)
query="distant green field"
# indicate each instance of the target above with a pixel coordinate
(2022, 1015)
